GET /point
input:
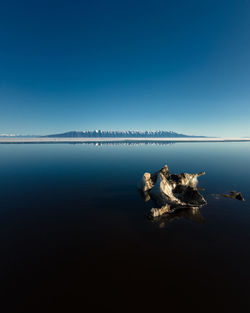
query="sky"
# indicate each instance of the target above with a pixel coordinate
(125, 65)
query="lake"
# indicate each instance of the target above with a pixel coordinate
(75, 234)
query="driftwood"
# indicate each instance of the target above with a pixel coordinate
(171, 192)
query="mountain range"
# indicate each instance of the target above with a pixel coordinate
(120, 134)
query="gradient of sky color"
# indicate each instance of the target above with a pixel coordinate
(145, 65)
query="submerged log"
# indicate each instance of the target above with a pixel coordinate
(234, 195)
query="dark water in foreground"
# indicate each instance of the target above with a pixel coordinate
(75, 236)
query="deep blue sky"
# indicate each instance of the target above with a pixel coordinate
(169, 65)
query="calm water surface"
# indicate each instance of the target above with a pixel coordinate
(75, 235)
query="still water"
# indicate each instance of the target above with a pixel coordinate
(75, 234)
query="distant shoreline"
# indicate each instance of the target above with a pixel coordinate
(117, 140)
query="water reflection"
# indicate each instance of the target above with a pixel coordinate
(193, 214)
(125, 143)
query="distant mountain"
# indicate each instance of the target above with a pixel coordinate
(120, 134)
(17, 136)
(8, 135)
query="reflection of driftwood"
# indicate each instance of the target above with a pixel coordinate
(234, 195)
(190, 213)
(171, 192)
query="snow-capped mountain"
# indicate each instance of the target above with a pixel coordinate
(120, 134)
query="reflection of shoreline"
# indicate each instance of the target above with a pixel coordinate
(120, 140)
(98, 144)
(122, 143)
